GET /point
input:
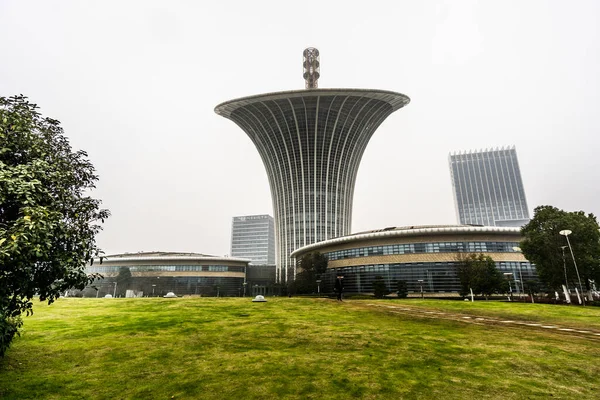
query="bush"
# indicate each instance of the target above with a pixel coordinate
(379, 288)
(9, 327)
(402, 289)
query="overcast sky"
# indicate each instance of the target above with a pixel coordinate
(135, 84)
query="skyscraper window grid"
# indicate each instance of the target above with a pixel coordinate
(311, 143)
(253, 238)
(488, 188)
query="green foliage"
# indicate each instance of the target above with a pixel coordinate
(310, 268)
(379, 288)
(123, 280)
(47, 222)
(532, 287)
(542, 246)
(402, 289)
(9, 328)
(479, 272)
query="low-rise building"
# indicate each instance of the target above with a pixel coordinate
(157, 273)
(422, 256)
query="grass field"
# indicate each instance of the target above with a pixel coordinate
(231, 348)
(573, 316)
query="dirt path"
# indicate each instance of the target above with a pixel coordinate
(485, 320)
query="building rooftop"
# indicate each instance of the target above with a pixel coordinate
(157, 254)
(412, 230)
(166, 256)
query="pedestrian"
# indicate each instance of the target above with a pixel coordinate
(339, 287)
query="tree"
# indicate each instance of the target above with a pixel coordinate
(542, 242)
(402, 289)
(379, 289)
(479, 272)
(532, 287)
(48, 223)
(310, 267)
(123, 280)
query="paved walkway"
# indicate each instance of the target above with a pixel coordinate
(483, 320)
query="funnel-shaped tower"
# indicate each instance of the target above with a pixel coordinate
(311, 143)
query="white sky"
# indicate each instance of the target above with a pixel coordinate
(134, 83)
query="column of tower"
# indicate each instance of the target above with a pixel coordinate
(311, 143)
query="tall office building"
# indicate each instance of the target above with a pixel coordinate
(253, 238)
(311, 143)
(488, 189)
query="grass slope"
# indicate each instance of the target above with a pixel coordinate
(221, 348)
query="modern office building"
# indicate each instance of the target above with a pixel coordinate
(157, 273)
(253, 238)
(311, 142)
(419, 255)
(488, 189)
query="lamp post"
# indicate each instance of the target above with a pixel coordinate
(565, 266)
(421, 284)
(318, 286)
(518, 249)
(566, 234)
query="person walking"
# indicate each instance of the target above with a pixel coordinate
(339, 287)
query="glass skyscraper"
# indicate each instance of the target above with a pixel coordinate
(253, 238)
(488, 189)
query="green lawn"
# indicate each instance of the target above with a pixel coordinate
(231, 348)
(567, 315)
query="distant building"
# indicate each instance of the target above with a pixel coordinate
(157, 273)
(488, 189)
(261, 280)
(253, 238)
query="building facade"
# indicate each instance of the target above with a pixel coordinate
(488, 189)
(425, 256)
(157, 273)
(253, 238)
(311, 143)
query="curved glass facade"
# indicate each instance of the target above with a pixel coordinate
(159, 268)
(180, 285)
(419, 255)
(437, 277)
(157, 273)
(311, 143)
(416, 248)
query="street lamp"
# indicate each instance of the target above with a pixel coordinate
(518, 249)
(421, 284)
(566, 234)
(318, 286)
(565, 266)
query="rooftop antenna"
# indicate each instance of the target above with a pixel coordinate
(311, 67)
